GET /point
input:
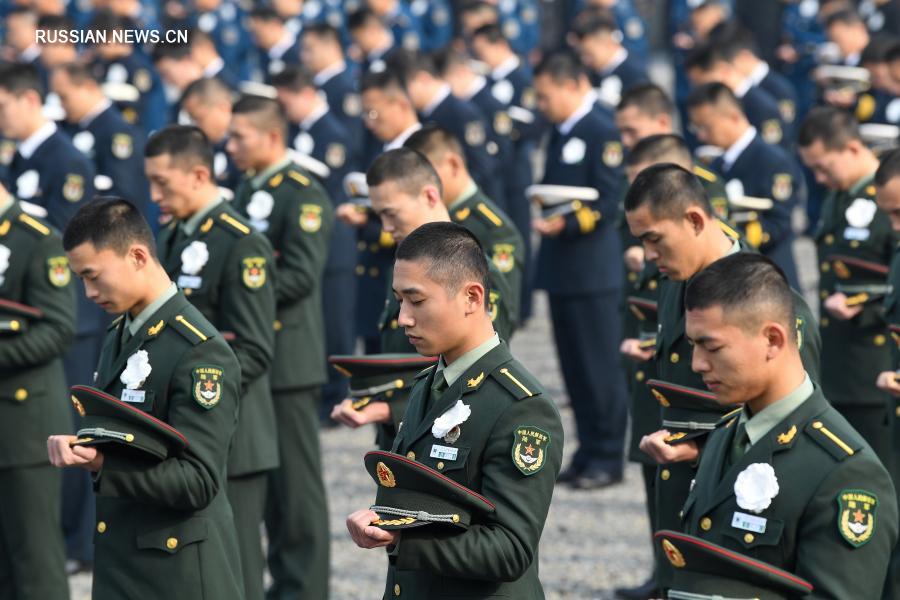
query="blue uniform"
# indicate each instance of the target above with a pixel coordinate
(782, 90)
(801, 28)
(768, 171)
(273, 61)
(232, 39)
(763, 112)
(116, 149)
(464, 120)
(613, 81)
(499, 144)
(634, 30)
(521, 24)
(436, 20)
(582, 273)
(227, 174)
(150, 110)
(341, 91)
(405, 27)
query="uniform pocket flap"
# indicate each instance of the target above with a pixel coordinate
(22, 386)
(173, 538)
(751, 539)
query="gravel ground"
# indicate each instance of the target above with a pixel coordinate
(593, 542)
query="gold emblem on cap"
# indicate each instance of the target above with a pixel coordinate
(841, 270)
(385, 476)
(675, 437)
(673, 554)
(660, 398)
(79, 407)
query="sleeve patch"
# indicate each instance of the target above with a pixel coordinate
(856, 516)
(58, 271)
(529, 449)
(207, 385)
(310, 217)
(253, 272)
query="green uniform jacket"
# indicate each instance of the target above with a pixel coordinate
(644, 408)
(817, 457)
(498, 554)
(503, 244)
(33, 397)
(299, 227)
(165, 529)
(892, 305)
(235, 291)
(854, 352)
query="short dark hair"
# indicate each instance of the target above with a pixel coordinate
(56, 23)
(832, 126)
(877, 50)
(186, 145)
(889, 167)
(847, 16)
(294, 78)
(107, 21)
(384, 81)
(208, 90)
(648, 98)
(409, 169)
(592, 21)
(477, 6)
(560, 66)
(715, 94)
(746, 282)
(492, 33)
(433, 142)
(177, 51)
(452, 251)
(362, 18)
(79, 73)
(265, 13)
(893, 53)
(324, 31)
(730, 38)
(659, 148)
(667, 190)
(446, 58)
(18, 78)
(109, 222)
(268, 113)
(703, 57)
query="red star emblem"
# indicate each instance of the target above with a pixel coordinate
(858, 516)
(529, 449)
(208, 385)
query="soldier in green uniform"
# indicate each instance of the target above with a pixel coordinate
(164, 528)
(37, 324)
(785, 478)
(469, 206)
(887, 189)
(478, 418)
(223, 267)
(667, 209)
(406, 193)
(293, 210)
(854, 332)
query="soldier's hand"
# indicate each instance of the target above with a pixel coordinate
(374, 412)
(836, 305)
(656, 446)
(365, 535)
(350, 214)
(887, 381)
(63, 454)
(634, 259)
(551, 227)
(631, 348)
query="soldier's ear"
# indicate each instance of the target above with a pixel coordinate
(776, 339)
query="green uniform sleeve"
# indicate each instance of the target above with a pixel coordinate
(247, 305)
(303, 245)
(48, 337)
(504, 546)
(192, 479)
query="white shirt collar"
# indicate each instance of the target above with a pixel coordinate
(284, 44)
(326, 74)
(314, 116)
(30, 145)
(94, 112)
(436, 100)
(853, 59)
(477, 85)
(214, 67)
(760, 72)
(30, 54)
(398, 141)
(736, 149)
(743, 88)
(379, 52)
(503, 70)
(586, 106)
(618, 58)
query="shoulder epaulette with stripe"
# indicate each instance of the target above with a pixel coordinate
(839, 447)
(194, 332)
(488, 214)
(298, 177)
(424, 372)
(34, 224)
(516, 382)
(115, 322)
(704, 174)
(729, 417)
(233, 224)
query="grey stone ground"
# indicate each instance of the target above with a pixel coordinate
(593, 541)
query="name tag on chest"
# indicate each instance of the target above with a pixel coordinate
(444, 452)
(748, 522)
(134, 396)
(189, 281)
(859, 234)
